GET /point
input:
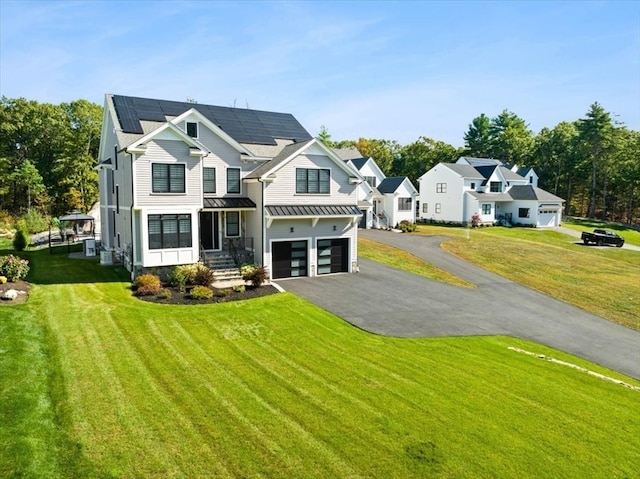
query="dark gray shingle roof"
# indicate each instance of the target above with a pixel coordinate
(391, 184)
(359, 162)
(530, 192)
(286, 152)
(466, 171)
(486, 171)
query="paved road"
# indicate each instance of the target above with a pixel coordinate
(390, 302)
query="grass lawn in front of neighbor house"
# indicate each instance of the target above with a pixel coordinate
(603, 281)
(401, 259)
(630, 235)
(96, 383)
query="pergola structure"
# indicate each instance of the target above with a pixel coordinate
(75, 217)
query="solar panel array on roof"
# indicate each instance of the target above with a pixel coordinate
(243, 125)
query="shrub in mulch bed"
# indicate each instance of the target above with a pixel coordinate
(173, 295)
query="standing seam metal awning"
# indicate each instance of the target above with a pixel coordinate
(229, 204)
(312, 212)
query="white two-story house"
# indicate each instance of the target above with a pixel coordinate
(384, 201)
(182, 181)
(455, 192)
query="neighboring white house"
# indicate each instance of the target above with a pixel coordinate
(454, 192)
(181, 182)
(385, 202)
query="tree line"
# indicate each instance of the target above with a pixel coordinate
(48, 155)
(593, 162)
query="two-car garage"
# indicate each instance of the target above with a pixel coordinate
(290, 259)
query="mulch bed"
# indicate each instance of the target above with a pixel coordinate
(177, 297)
(219, 295)
(22, 287)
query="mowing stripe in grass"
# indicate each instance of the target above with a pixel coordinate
(339, 467)
(118, 415)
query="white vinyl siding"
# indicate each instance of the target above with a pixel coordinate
(280, 230)
(283, 189)
(171, 153)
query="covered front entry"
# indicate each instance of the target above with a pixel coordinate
(210, 230)
(289, 259)
(333, 255)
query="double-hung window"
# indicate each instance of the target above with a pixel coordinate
(166, 178)
(404, 204)
(486, 208)
(233, 180)
(495, 187)
(441, 187)
(312, 180)
(233, 223)
(372, 180)
(209, 180)
(169, 231)
(523, 213)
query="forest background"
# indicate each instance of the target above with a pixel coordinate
(48, 155)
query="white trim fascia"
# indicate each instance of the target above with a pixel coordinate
(103, 131)
(332, 156)
(214, 128)
(370, 159)
(135, 147)
(248, 158)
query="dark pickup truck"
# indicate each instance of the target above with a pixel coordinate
(602, 237)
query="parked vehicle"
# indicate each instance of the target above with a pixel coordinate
(602, 237)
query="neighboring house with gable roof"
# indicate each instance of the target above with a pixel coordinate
(498, 193)
(183, 182)
(385, 202)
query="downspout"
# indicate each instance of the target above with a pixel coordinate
(133, 230)
(263, 231)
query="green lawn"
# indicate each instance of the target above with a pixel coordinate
(630, 235)
(604, 281)
(95, 383)
(401, 259)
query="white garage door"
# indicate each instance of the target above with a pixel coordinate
(548, 218)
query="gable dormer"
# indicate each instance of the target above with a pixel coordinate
(494, 180)
(529, 174)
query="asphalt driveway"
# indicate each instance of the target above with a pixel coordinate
(390, 302)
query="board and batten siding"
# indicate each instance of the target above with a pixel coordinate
(283, 189)
(170, 152)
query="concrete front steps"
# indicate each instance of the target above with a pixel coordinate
(224, 268)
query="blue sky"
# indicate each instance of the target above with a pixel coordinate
(392, 70)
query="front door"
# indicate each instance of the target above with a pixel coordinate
(210, 230)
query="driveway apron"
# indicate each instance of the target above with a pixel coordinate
(390, 302)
